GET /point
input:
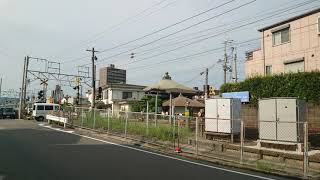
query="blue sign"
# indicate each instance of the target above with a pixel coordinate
(243, 95)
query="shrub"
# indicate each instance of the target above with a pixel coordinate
(304, 85)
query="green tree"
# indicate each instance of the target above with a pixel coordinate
(141, 105)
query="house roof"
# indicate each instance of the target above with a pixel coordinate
(290, 19)
(170, 86)
(182, 101)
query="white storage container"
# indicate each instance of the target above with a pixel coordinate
(222, 115)
(281, 119)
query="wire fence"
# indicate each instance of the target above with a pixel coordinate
(208, 137)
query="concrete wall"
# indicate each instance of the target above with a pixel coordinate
(304, 43)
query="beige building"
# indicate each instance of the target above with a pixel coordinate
(292, 45)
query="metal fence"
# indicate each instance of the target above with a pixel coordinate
(231, 140)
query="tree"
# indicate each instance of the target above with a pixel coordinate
(141, 105)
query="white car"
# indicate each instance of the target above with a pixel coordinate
(40, 110)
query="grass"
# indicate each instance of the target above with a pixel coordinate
(264, 166)
(135, 127)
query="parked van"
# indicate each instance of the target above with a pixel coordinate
(40, 110)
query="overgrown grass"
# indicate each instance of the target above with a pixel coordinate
(264, 166)
(163, 132)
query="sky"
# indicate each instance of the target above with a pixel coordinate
(62, 31)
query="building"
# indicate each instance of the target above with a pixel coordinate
(112, 75)
(168, 89)
(184, 105)
(291, 45)
(119, 96)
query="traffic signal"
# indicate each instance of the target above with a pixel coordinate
(99, 95)
(77, 101)
(41, 95)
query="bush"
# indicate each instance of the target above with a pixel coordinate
(305, 85)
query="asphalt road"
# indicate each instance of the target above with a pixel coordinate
(29, 151)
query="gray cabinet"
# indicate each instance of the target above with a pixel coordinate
(222, 115)
(281, 119)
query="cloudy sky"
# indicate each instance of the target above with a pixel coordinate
(62, 30)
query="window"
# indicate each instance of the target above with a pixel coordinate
(281, 36)
(41, 108)
(105, 94)
(294, 65)
(268, 70)
(48, 108)
(126, 95)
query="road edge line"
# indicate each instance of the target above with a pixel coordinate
(161, 155)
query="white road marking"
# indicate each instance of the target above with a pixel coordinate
(57, 129)
(161, 155)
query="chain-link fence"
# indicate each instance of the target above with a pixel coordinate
(226, 139)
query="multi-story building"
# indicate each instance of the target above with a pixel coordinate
(112, 75)
(292, 45)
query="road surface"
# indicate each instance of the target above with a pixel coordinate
(29, 151)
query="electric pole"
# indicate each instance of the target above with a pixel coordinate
(0, 87)
(225, 63)
(206, 90)
(22, 89)
(206, 72)
(93, 59)
(225, 66)
(26, 81)
(235, 66)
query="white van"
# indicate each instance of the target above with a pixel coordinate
(40, 110)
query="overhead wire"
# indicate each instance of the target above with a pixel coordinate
(163, 37)
(99, 35)
(206, 38)
(213, 28)
(167, 27)
(200, 40)
(148, 51)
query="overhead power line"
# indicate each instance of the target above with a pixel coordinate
(99, 35)
(233, 22)
(167, 27)
(163, 37)
(279, 11)
(190, 55)
(148, 51)
(165, 52)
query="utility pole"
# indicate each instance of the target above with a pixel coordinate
(225, 63)
(225, 66)
(26, 81)
(22, 89)
(0, 86)
(93, 59)
(206, 82)
(235, 66)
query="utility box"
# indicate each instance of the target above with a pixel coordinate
(222, 115)
(281, 119)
